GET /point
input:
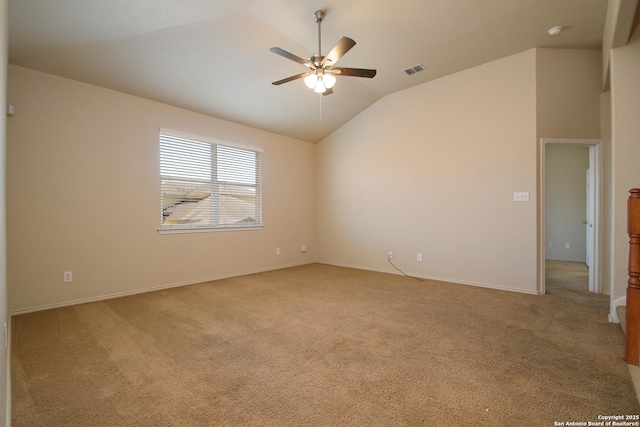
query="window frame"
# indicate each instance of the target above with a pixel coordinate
(214, 143)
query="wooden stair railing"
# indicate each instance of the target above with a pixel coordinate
(632, 338)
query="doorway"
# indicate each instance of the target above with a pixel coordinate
(577, 240)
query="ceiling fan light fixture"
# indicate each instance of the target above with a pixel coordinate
(314, 81)
(320, 81)
(311, 81)
(320, 87)
(329, 80)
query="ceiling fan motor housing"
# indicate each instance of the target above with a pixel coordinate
(317, 60)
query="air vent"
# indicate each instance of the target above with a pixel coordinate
(414, 70)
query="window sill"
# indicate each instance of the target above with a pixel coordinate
(186, 230)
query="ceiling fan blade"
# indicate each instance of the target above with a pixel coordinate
(327, 92)
(292, 78)
(354, 72)
(292, 57)
(343, 46)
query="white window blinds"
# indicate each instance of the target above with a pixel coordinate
(205, 184)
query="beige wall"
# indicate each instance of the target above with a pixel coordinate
(566, 202)
(625, 110)
(569, 83)
(83, 196)
(433, 170)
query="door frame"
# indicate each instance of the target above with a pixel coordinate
(595, 159)
(590, 213)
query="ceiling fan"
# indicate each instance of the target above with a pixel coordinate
(322, 70)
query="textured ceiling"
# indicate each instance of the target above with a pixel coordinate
(212, 56)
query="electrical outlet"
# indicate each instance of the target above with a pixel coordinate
(277, 251)
(390, 254)
(304, 248)
(567, 245)
(419, 258)
(67, 276)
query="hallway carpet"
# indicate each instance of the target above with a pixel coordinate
(567, 275)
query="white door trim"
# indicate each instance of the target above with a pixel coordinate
(595, 156)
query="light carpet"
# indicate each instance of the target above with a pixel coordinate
(319, 345)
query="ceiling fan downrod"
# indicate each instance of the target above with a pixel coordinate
(319, 17)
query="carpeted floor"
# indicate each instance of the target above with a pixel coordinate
(320, 345)
(567, 275)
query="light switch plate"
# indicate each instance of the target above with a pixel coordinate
(521, 196)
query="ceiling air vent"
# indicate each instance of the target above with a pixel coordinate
(415, 69)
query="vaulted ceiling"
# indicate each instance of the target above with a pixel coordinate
(212, 56)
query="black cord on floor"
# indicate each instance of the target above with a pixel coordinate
(394, 266)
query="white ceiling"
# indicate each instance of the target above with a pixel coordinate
(212, 56)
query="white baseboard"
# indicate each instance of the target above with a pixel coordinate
(438, 279)
(145, 290)
(613, 315)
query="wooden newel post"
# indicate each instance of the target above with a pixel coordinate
(632, 340)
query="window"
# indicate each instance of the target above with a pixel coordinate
(206, 184)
